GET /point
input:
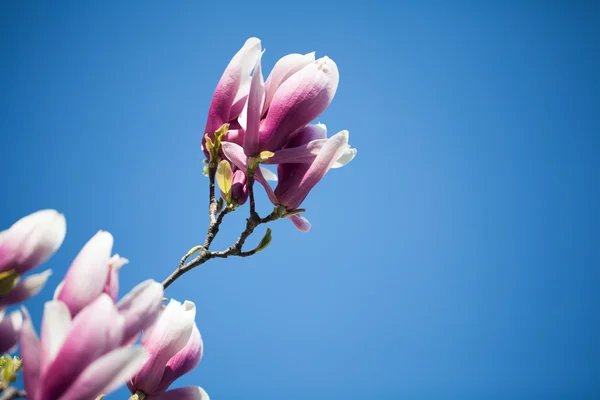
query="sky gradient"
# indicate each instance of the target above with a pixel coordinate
(456, 257)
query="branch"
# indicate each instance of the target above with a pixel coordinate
(12, 393)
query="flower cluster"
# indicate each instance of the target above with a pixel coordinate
(87, 338)
(91, 341)
(270, 121)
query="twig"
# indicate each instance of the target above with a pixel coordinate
(12, 393)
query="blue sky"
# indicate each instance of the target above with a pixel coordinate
(456, 257)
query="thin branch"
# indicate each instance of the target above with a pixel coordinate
(12, 393)
(212, 205)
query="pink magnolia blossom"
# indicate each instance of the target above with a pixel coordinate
(175, 347)
(29, 242)
(77, 358)
(10, 328)
(94, 272)
(263, 115)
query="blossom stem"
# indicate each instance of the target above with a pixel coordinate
(234, 250)
(12, 393)
(139, 395)
(212, 205)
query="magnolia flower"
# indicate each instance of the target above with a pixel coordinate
(28, 243)
(239, 190)
(94, 273)
(303, 162)
(175, 347)
(262, 116)
(77, 358)
(10, 328)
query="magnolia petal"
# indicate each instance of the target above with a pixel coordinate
(345, 158)
(300, 222)
(107, 373)
(227, 89)
(284, 68)
(303, 154)
(26, 288)
(31, 240)
(168, 336)
(240, 100)
(87, 276)
(183, 362)
(10, 331)
(293, 190)
(253, 110)
(268, 174)
(140, 308)
(112, 283)
(258, 176)
(298, 101)
(55, 328)
(235, 154)
(184, 393)
(31, 353)
(95, 331)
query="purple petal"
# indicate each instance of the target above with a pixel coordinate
(112, 283)
(26, 288)
(56, 323)
(256, 98)
(32, 354)
(31, 240)
(303, 154)
(227, 89)
(298, 101)
(235, 154)
(107, 373)
(294, 186)
(239, 189)
(283, 69)
(259, 177)
(183, 362)
(10, 331)
(95, 331)
(140, 308)
(301, 223)
(87, 276)
(167, 337)
(184, 393)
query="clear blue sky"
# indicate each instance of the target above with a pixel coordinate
(457, 257)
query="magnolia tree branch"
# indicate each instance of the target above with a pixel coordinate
(213, 228)
(12, 393)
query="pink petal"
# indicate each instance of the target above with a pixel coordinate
(87, 276)
(298, 101)
(235, 154)
(107, 373)
(184, 393)
(140, 308)
(183, 362)
(227, 89)
(10, 331)
(26, 288)
(253, 111)
(301, 223)
(96, 330)
(31, 240)
(285, 67)
(32, 354)
(167, 337)
(294, 187)
(112, 284)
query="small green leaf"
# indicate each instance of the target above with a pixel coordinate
(8, 281)
(265, 241)
(225, 178)
(265, 155)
